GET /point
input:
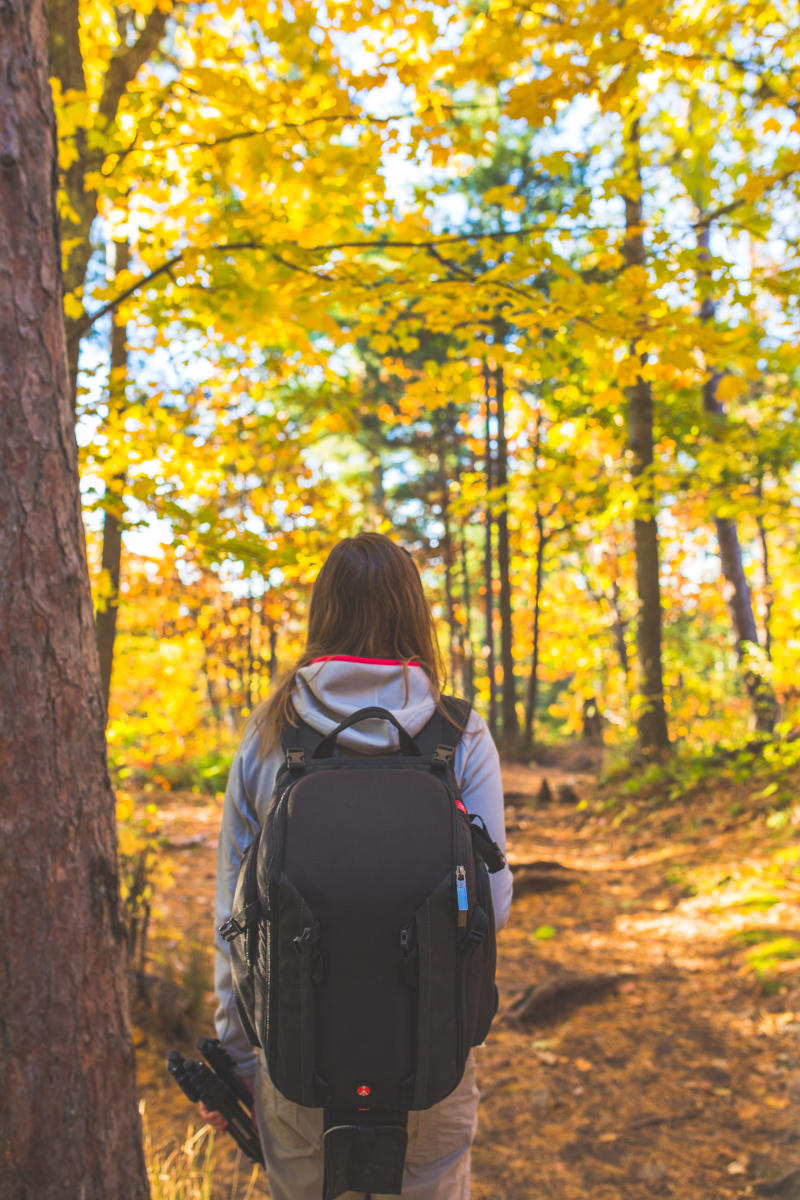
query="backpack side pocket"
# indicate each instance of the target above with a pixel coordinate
(441, 1011)
(485, 957)
(297, 967)
(242, 933)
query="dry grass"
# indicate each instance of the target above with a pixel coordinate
(185, 1171)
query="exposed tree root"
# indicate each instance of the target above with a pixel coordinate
(556, 996)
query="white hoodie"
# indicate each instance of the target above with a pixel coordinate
(326, 693)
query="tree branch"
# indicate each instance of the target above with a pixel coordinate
(329, 118)
(125, 64)
(766, 86)
(82, 326)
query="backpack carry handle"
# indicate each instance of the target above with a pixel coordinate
(407, 744)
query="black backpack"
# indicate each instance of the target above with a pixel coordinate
(362, 938)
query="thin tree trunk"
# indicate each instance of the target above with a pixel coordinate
(69, 1123)
(66, 64)
(740, 602)
(467, 662)
(620, 628)
(378, 488)
(211, 693)
(652, 718)
(106, 617)
(766, 584)
(272, 661)
(447, 555)
(67, 67)
(618, 622)
(488, 561)
(533, 680)
(251, 619)
(509, 697)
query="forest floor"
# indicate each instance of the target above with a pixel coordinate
(664, 1062)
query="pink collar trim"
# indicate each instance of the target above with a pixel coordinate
(382, 662)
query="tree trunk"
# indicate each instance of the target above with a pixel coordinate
(652, 719)
(488, 562)
(106, 617)
(619, 627)
(533, 680)
(509, 698)
(740, 603)
(68, 1113)
(272, 661)
(467, 663)
(250, 669)
(447, 555)
(66, 64)
(210, 690)
(767, 584)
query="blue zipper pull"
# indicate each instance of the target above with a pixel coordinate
(461, 896)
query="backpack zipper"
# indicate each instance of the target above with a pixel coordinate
(462, 901)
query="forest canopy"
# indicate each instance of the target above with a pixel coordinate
(517, 281)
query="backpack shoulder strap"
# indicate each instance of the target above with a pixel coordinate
(299, 737)
(439, 731)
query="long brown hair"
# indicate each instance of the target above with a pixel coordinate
(368, 602)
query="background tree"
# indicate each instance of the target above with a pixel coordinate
(68, 1111)
(399, 219)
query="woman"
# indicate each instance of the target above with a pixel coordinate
(371, 641)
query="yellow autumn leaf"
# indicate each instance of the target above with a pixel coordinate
(731, 387)
(73, 308)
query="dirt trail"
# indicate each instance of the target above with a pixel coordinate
(682, 1080)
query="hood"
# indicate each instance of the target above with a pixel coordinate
(328, 690)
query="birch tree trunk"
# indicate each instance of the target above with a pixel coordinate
(739, 598)
(69, 1125)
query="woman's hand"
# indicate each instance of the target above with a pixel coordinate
(214, 1119)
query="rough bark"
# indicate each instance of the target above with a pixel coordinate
(509, 695)
(651, 719)
(740, 602)
(111, 561)
(69, 1124)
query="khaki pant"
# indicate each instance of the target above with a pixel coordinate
(437, 1160)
